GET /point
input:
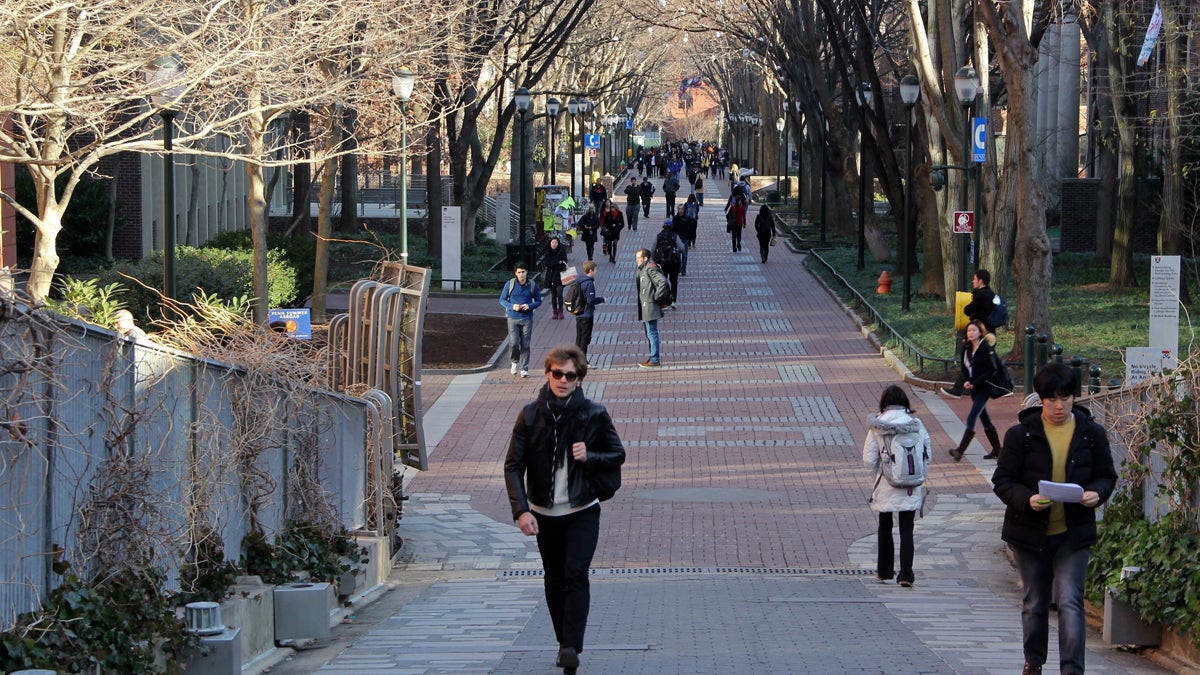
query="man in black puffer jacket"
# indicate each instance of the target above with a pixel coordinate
(563, 459)
(1051, 540)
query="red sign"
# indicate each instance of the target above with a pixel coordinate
(964, 222)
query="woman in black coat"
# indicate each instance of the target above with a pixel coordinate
(589, 227)
(554, 263)
(978, 373)
(764, 230)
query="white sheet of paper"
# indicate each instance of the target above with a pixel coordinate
(1060, 492)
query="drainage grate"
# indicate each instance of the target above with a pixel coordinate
(674, 571)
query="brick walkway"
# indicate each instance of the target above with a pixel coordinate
(741, 540)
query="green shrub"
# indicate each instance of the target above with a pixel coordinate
(223, 273)
(113, 624)
(304, 546)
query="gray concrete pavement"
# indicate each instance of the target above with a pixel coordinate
(741, 540)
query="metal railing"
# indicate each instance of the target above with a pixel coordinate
(891, 336)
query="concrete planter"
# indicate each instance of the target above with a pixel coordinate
(252, 609)
(1123, 625)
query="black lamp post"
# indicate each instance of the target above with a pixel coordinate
(864, 101)
(163, 75)
(910, 93)
(966, 86)
(552, 108)
(522, 99)
(573, 109)
(402, 86)
(629, 144)
(787, 154)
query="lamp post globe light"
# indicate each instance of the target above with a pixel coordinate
(910, 93)
(552, 108)
(864, 99)
(966, 86)
(522, 99)
(779, 124)
(402, 86)
(163, 76)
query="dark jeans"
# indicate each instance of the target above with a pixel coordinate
(764, 247)
(556, 297)
(979, 399)
(670, 204)
(885, 563)
(583, 333)
(672, 274)
(591, 247)
(1055, 573)
(567, 544)
(645, 210)
(737, 238)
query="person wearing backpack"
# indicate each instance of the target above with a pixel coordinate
(897, 444)
(564, 458)
(668, 254)
(586, 285)
(979, 374)
(670, 189)
(735, 220)
(519, 298)
(652, 291)
(979, 309)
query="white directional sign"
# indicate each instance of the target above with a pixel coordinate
(979, 140)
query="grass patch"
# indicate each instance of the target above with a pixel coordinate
(1089, 319)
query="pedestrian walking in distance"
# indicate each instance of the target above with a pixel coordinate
(1051, 540)
(764, 231)
(519, 298)
(563, 446)
(894, 420)
(978, 365)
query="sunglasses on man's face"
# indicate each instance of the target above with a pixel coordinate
(560, 374)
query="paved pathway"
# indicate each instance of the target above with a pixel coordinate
(741, 540)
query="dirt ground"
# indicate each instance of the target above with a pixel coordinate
(459, 341)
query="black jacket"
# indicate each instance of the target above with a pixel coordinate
(529, 465)
(980, 306)
(1025, 459)
(983, 369)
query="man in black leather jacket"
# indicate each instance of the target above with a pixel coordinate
(1050, 540)
(563, 459)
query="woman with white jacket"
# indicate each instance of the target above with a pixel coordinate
(894, 418)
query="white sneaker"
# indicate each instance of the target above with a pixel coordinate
(524, 373)
(513, 369)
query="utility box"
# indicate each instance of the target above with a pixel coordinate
(1124, 626)
(302, 611)
(224, 655)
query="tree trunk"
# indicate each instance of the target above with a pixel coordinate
(1172, 231)
(1125, 112)
(433, 167)
(301, 130)
(255, 202)
(349, 217)
(1032, 261)
(324, 221)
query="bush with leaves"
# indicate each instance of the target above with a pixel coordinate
(222, 273)
(113, 624)
(1167, 589)
(321, 550)
(88, 300)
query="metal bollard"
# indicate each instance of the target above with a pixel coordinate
(1056, 353)
(1077, 368)
(1040, 359)
(1029, 330)
(1094, 381)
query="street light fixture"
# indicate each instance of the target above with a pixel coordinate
(552, 108)
(402, 86)
(779, 125)
(523, 101)
(864, 99)
(164, 75)
(910, 93)
(787, 154)
(573, 107)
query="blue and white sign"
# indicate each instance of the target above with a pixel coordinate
(979, 140)
(628, 125)
(591, 141)
(296, 322)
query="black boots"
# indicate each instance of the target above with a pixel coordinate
(957, 453)
(994, 439)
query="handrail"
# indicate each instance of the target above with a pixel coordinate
(878, 321)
